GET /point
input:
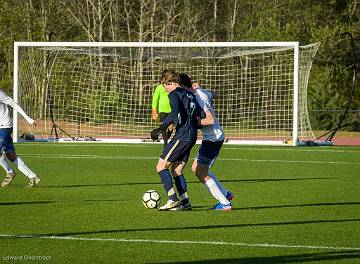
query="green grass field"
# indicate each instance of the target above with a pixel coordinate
(292, 205)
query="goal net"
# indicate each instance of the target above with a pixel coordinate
(103, 91)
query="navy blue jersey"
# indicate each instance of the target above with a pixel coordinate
(185, 112)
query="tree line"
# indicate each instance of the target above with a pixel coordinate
(203, 20)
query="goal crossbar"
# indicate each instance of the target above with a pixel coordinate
(157, 44)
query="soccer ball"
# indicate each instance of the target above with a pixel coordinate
(151, 199)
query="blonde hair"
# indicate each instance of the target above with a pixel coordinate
(169, 76)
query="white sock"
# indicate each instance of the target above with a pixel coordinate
(5, 164)
(24, 169)
(215, 191)
(219, 184)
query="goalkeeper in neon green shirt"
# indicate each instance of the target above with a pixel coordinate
(161, 108)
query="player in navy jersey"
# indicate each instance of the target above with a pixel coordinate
(184, 114)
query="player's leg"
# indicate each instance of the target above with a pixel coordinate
(33, 178)
(181, 186)
(10, 173)
(167, 183)
(204, 160)
(229, 195)
(178, 156)
(201, 171)
(11, 155)
(166, 158)
(3, 161)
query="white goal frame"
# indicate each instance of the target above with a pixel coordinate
(295, 45)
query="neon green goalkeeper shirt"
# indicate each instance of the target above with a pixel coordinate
(160, 99)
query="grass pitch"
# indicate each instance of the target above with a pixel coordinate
(292, 205)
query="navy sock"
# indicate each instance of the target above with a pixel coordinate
(181, 187)
(168, 185)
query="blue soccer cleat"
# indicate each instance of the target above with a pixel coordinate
(222, 207)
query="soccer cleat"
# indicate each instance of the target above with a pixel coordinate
(33, 182)
(222, 207)
(170, 204)
(8, 179)
(182, 207)
(229, 195)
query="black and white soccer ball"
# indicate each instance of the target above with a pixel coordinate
(151, 199)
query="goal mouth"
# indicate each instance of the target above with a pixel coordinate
(90, 91)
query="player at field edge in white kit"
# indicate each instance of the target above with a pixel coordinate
(213, 139)
(7, 145)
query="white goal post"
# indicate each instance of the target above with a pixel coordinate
(102, 91)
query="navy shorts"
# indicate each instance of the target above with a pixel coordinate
(177, 150)
(208, 152)
(6, 141)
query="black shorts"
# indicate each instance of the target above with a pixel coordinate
(177, 150)
(208, 152)
(162, 116)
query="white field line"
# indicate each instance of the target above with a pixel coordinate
(324, 149)
(221, 243)
(316, 149)
(86, 156)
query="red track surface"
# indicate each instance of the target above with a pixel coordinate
(346, 141)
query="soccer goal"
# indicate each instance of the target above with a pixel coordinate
(103, 91)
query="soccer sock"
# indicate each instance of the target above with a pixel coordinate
(218, 183)
(5, 164)
(23, 168)
(168, 185)
(215, 191)
(181, 187)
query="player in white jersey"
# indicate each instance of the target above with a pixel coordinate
(6, 142)
(213, 139)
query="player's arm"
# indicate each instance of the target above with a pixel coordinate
(4, 98)
(155, 103)
(208, 120)
(170, 119)
(211, 94)
(22, 113)
(207, 117)
(154, 114)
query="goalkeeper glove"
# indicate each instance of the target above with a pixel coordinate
(155, 134)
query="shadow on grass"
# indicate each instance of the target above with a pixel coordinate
(28, 202)
(98, 185)
(299, 258)
(51, 202)
(296, 205)
(206, 227)
(276, 180)
(189, 182)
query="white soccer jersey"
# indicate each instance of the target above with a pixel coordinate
(210, 132)
(5, 118)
